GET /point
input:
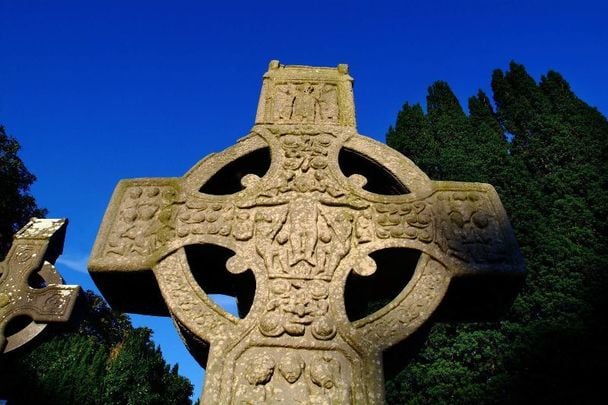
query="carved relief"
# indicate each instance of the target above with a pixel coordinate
(185, 301)
(302, 222)
(305, 102)
(292, 387)
(23, 254)
(365, 227)
(258, 373)
(467, 228)
(243, 225)
(268, 245)
(145, 221)
(325, 374)
(303, 239)
(201, 217)
(304, 159)
(296, 304)
(406, 221)
(410, 309)
(298, 377)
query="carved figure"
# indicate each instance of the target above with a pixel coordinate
(329, 103)
(267, 227)
(258, 373)
(325, 374)
(284, 98)
(302, 220)
(293, 389)
(305, 105)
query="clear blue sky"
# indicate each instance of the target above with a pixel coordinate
(97, 91)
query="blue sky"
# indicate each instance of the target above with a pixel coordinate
(97, 91)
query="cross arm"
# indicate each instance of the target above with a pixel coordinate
(462, 225)
(467, 244)
(147, 220)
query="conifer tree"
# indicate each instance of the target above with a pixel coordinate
(412, 137)
(552, 177)
(69, 363)
(561, 142)
(98, 358)
(450, 129)
(17, 205)
(488, 147)
(151, 381)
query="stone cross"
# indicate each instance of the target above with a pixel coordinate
(30, 285)
(315, 201)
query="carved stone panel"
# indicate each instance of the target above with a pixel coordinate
(268, 375)
(301, 229)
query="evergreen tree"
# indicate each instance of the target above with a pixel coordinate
(17, 205)
(450, 129)
(486, 142)
(97, 358)
(126, 384)
(562, 143)
(76, 362)
(412, 137)
(552, 178)
(59, 371)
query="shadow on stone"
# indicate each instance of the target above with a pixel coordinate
(208, 265)
(365, 295)
(481, 298)
(227, 180)
(379, 179)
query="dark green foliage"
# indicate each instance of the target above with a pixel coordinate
(137, 374)
(17, 205)
(60, 370)
(450, 128)
(552, 177)
(486, 141)
(97, 358)
(412, 136)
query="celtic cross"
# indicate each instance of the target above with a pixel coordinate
(300, 226)
(30, 286)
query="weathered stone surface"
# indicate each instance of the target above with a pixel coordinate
(29, 283)
(301, 227)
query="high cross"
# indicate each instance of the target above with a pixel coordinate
(312, 203)
(30, 286)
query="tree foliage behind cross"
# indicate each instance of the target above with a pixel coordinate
(97, 357)
(545, 151)
(17, 205)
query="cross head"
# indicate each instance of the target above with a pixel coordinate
(30, 286)
(300, 225)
